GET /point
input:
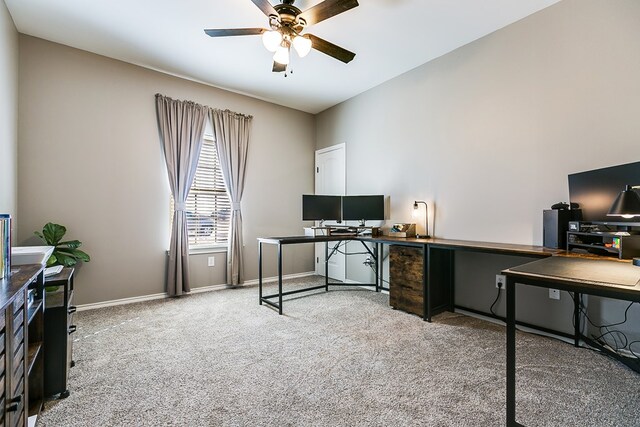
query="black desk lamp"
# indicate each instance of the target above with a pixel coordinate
(426, 219)
(626, 205)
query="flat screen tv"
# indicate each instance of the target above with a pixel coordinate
(321, 208)
(596, 190)
(362, 208)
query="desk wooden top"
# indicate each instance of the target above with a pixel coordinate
(596, 276)
(504, 248)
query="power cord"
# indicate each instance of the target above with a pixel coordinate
(496, 300)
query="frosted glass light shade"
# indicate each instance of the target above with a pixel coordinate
(281, 56)
(271, 40)
(302, 45)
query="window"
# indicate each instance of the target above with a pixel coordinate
(208, 207)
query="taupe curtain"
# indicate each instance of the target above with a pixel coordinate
(231, 132)
(181, 127)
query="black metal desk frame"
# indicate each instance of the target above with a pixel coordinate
(577, 287)
(282, 241)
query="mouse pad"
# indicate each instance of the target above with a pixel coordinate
(590, 270)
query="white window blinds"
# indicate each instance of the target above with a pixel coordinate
(208, 207)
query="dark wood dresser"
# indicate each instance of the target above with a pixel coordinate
(58, 332)
(21, 345)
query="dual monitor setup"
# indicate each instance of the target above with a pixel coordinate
(342, 208)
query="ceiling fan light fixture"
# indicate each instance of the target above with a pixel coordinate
(271, 40)
(282, 55)
(302, 45)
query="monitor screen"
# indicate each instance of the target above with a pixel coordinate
(596, 190)
(358, 208)
(321, 208)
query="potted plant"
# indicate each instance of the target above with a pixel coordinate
(65, 253)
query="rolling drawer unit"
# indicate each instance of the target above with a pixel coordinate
(58, 332)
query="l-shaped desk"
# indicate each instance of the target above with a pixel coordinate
(556, 269)
(437, 263)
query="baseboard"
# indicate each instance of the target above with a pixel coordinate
(122, 301)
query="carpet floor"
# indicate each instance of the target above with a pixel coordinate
(341, 358)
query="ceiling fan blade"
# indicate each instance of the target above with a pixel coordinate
(265, 7)
(235, 32)
(278, 67)
(330, 49)
(327, 9)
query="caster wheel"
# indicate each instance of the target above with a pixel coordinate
(64, 394)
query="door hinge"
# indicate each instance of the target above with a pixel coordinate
(317, 169)
(317, 260)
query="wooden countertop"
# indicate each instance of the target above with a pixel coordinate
(21, 275)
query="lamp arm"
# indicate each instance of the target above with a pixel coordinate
(426, 216)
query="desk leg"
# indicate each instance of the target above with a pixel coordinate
(280, 279)
(326, 266)
(380, 264)
(511, 352)
(576, 318)
(426, 284)
(260, 269)
(376, 251)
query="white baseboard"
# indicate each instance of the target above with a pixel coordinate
(122, 301)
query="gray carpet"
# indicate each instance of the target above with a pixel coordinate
(342, 358)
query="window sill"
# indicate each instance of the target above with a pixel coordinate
(209, 250)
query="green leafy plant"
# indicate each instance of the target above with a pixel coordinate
(65, 253)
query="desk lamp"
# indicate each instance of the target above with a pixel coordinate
(627, 205)
(426, 218)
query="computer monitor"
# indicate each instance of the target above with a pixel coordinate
(362, 208)
(321, 208)
(596, 190)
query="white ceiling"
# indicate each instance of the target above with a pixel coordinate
(389, 38)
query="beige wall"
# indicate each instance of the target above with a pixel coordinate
(8, 113)
(90, 158)
(489, 133)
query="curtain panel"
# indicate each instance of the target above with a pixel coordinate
(181, 128)
(231, 132)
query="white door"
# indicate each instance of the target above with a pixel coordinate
(331, 179)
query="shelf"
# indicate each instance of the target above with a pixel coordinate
(33, 310)
(592, 246)
(32, 355)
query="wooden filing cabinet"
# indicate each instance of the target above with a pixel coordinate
(58, 333)
(405, 279)
(21, 345)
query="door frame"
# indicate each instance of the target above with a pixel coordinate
(320, 247)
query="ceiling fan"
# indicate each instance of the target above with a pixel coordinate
(287, 24)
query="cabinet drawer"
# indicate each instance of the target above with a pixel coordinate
(18, 338)
(17, 379)
(18, 320)
(18, 303)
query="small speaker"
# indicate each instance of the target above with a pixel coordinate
(555, 224)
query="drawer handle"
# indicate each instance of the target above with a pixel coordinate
(14, 404)
(72, 329)
(72, 309)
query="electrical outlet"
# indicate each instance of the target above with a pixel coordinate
(554, 294)
(211, 261)
(501, 281)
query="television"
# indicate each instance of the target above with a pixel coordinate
(321, 208)
(362, 208)
(596, 190)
